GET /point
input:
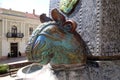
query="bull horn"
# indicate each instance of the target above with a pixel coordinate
(57, 16)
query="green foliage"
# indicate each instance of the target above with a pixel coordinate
(3, 68)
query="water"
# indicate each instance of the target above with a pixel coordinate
(37, 72)
(46, 73)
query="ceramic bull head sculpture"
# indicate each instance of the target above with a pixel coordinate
(56, 42)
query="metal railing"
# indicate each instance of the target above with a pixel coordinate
(14, 35)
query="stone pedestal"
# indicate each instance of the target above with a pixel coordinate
(104, 70)
(99, 25)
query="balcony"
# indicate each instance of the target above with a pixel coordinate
(14, 35)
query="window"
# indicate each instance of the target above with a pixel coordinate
(30, 30)
(14, 29)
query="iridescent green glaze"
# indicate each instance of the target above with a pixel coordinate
(56, 42)
(67, 6)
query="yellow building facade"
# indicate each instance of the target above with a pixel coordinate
(15, 30)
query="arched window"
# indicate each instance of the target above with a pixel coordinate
(30, 30)
(14, 29)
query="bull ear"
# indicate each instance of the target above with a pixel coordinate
(57, 16)
(44, 18)
(70, 26)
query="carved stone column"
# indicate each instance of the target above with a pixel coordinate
(99, 25)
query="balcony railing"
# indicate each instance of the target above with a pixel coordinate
(14, 35)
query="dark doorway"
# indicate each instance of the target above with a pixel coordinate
(14, 49)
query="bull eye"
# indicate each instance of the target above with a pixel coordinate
(53, 29)
(50, 31)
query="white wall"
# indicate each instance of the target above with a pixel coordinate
(21, 46)
(5, 47)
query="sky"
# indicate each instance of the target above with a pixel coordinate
(40, 6)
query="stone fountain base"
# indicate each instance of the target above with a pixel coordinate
(101, 70)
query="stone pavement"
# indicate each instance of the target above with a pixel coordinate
(12, 61)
